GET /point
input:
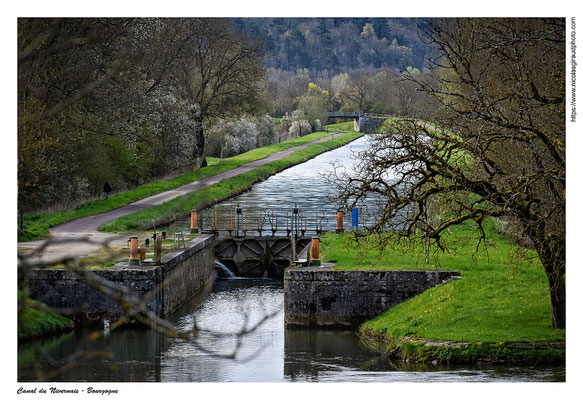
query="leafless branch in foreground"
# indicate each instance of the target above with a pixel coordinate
(134, 307)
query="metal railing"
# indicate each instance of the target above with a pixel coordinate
(356, 114)
(345, 114)
(179, 234)
(241, 222)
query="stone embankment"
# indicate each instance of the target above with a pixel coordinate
(181, 275)
(322, 296)
(421, 350)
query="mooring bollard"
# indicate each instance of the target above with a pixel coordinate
(295, 220)
(339, 221)
(193, 222)
(134, 251)
(315, 260)
(158, 249)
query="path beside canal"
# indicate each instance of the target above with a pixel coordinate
(81, 236)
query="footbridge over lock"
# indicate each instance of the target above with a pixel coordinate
(263, 243)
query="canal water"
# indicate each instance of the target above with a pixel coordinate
(304, 187)
(270, 353)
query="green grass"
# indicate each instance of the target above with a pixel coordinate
(347, 126)
(173, 209)
(495, 301)
(36, 320)
(37, 225)
(212, 160)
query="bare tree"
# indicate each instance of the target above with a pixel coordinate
(498, 149)
(361, 91)
(218, 70)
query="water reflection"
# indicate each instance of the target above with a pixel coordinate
(321, 347)
(143, 355)
(234, 304)
(129, 355)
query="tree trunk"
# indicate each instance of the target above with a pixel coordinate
(198, 151)
(552, 256)
(558, 303)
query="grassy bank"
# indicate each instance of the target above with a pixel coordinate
(37, 225)
(173, 209)
(495, 305)
(36, 320)
(341, 126)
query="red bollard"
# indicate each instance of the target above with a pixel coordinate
(315, 252)
(134, 251)
(339, 221)
(193, 222)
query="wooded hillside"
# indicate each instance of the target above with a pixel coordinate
(326, 46)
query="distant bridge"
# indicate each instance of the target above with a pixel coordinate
(363, 122)
(351, 114)
(355, 114)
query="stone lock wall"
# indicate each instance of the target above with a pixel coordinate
(183, 271)
(320, 296)
(68, 292)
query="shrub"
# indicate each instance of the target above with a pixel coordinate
(215, 137)
(317, 126)
(300, 128)
(240, 137)
(266, 131)
(229, 137)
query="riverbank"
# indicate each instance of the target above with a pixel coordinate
(438, 352)
(36, 320)
(498, 312)
(233, 185)
(171, 210)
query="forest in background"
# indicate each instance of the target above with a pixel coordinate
(327, 46)
(131, 100)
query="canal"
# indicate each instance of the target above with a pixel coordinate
(304, 187)
(277, 354)
(270, 353)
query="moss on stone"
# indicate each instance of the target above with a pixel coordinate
(420, 350)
